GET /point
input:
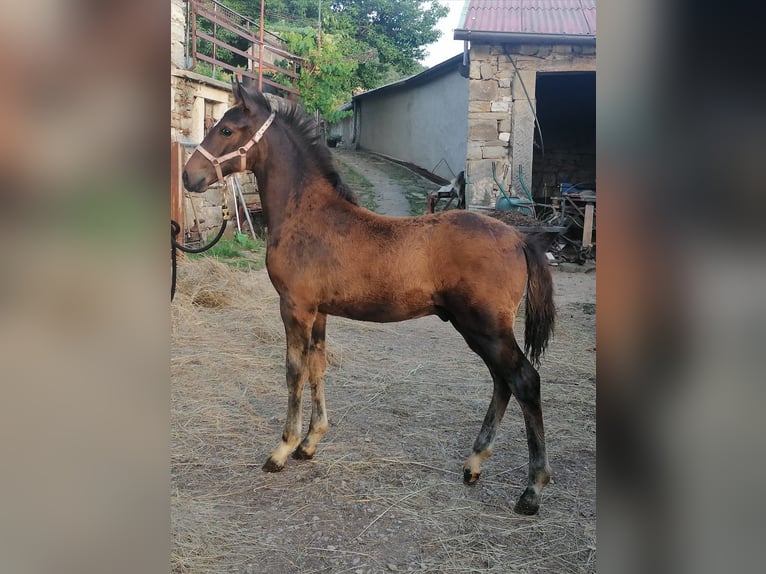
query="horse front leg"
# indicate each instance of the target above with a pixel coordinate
(298, 327)
(317, 366)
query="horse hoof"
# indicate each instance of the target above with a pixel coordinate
(300, 454)
(272, 466)
(470, 477)
(528, 504)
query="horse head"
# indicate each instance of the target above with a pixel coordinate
(231, 143)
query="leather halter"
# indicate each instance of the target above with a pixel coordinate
(241, 152)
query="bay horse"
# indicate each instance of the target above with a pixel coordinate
(326, 255)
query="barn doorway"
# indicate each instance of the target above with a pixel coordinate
(566, 110)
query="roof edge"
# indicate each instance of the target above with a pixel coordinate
(521, 38)
(437, 70)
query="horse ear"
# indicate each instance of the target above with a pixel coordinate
(244, 97)
(236, 89)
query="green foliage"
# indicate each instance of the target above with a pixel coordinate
(206, 69)
(398, 30)
(326, 80)
(248, 243)
(364, 43)
(222, 54)
(241, 252)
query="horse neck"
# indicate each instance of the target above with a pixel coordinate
(281, 182)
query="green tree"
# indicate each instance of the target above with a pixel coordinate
(399, 31)
(326, 79)
(364, 43)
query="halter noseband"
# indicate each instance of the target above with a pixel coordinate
(241, 152)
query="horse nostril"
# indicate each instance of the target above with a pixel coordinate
(185, 178)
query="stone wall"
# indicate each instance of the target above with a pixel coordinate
(177, 32)
(574, 166)
(195, 97)
(500, 119)
(207, 206)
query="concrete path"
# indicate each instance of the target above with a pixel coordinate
(389, 194)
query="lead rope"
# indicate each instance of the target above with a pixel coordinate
(241, 153)
(175, 230)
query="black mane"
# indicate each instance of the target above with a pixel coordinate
(303, 127)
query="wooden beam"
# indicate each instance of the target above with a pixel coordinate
(587, 228)
(176, 186)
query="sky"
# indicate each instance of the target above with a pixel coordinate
(446, 47)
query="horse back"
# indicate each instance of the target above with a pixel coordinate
(361, 265)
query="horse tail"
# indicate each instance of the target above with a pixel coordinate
(540, 310)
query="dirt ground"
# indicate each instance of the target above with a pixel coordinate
(384, 492)
(405, 401)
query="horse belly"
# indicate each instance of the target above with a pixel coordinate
(381, 309)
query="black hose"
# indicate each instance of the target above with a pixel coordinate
(175, 229)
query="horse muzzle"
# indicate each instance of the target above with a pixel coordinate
(197, 186)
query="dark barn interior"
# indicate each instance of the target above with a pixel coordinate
(566, 110)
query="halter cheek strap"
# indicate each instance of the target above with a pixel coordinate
(241, 152)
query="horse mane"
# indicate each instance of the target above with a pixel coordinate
(303, 127)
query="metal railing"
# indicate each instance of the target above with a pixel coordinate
(211, 28)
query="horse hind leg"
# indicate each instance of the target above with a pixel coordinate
(317, 364)
(490, 348)
(512, 373)
(525, 384)
(482, 446)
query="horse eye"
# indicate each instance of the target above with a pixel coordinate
(226, 132)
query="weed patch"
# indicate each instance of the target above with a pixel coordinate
(241, 252)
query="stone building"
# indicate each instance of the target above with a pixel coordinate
(529, 59)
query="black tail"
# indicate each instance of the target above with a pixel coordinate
(540, 311)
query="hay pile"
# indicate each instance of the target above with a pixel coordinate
(249, 298)
(384, 494)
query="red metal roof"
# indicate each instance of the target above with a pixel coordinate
(561, 17)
